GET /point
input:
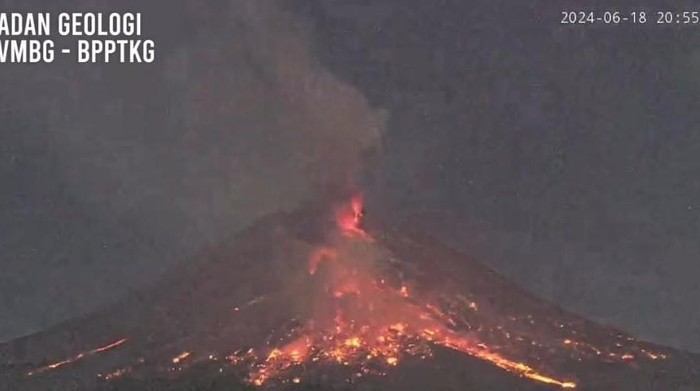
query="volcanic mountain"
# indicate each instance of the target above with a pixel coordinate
(321, 300)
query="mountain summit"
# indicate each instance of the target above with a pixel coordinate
(320, 300)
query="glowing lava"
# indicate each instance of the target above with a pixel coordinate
(349, 217)
(367, 312)
(78, 357)
(373, 325)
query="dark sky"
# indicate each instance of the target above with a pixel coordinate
(565, 157)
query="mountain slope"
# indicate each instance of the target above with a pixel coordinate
(316, 299)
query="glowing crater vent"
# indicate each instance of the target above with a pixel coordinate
(349, 217)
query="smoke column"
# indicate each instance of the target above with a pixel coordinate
(235, 119)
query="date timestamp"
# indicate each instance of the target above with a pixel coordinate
(631, 17)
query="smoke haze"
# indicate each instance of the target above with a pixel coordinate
(142, 165)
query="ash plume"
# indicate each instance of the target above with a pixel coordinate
(240, 99)
(235, 119)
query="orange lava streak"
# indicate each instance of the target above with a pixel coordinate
(320, 255)
(181, 357)
(77, 357)
(116, 374)
(516, 367)
(108, 347)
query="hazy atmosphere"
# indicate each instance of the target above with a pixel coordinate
(566, 159)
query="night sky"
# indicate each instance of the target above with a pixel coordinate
(567, 158)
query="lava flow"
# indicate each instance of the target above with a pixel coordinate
(363, 322)
(78, 357)
(365, 304)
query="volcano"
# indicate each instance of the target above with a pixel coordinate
(313, 299)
